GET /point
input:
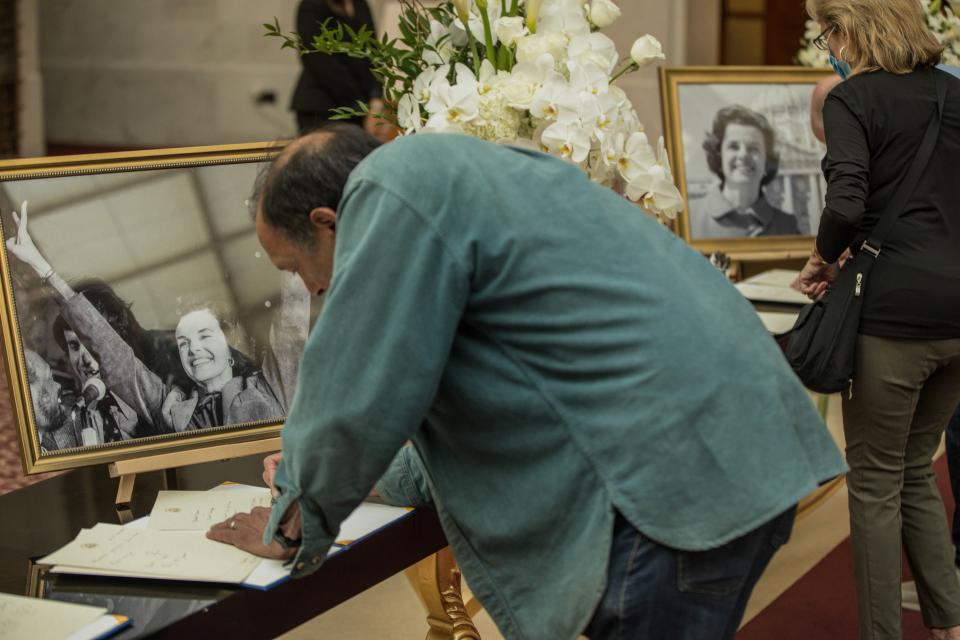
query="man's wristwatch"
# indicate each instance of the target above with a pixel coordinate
(285, 542)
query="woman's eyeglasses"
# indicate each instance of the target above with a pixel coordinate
(820, 42)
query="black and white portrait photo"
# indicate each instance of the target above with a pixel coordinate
(146, 308)
(750, 160)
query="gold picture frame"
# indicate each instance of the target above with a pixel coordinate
(178, 211)
(693, 100)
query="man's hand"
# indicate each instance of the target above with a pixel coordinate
(245, 531)
(270, 464)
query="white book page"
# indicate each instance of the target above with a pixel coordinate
(33, 619)
(127, 550)
(199, 510)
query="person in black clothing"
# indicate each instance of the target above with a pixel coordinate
(907, 377)
(331, 81)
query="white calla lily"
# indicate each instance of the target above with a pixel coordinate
(463, 9)
(532, 14)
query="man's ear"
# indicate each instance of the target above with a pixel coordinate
(324, 218)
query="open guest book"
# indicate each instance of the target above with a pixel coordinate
(171, 543)
(24, 618)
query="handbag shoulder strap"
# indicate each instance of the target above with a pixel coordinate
(898, 203)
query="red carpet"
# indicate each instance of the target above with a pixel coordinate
(822, 605)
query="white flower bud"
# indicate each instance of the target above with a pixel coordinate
(533, 14)
(645, 50)
(463, 9)
(603, 13)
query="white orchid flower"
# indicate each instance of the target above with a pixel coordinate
(603, 13)
(488, 79)
(588, 77)
(646, 50)
(664, 197)
(555, 96)
(596, 48)
(601, 112)
(452, 106)
(654, 187)
(423, 83)
(569, 141)
(408, 114)
(440, 45)
(634, 157)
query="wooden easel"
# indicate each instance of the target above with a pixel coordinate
(127, 470)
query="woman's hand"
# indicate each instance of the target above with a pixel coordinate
(816, 276)
(22, 246)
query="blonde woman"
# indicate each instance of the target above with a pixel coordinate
(907, 377)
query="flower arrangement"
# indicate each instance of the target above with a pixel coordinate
(528, 72)
(943, 22)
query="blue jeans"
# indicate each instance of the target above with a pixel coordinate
(953, 464)
(656, 592)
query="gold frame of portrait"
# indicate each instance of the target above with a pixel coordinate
(13, 353)
(671, 78)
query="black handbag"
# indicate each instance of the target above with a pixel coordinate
(821, 346)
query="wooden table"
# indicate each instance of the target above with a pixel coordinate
(41, 518)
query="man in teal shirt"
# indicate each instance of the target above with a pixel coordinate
(609, 436)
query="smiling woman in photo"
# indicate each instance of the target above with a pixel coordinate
(225, 389)
(741, 151)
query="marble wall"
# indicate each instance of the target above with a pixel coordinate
(164, 72)
(186, 72)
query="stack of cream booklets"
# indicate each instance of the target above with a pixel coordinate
(32, 619)
(171, 543)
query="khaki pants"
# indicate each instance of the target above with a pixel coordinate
(904, 392)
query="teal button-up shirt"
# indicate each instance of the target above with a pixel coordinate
(554, 355)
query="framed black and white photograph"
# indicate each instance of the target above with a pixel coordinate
(140, 314)
(745, 156)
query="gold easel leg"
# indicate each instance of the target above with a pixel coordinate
(436, 582)
(125, 490)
